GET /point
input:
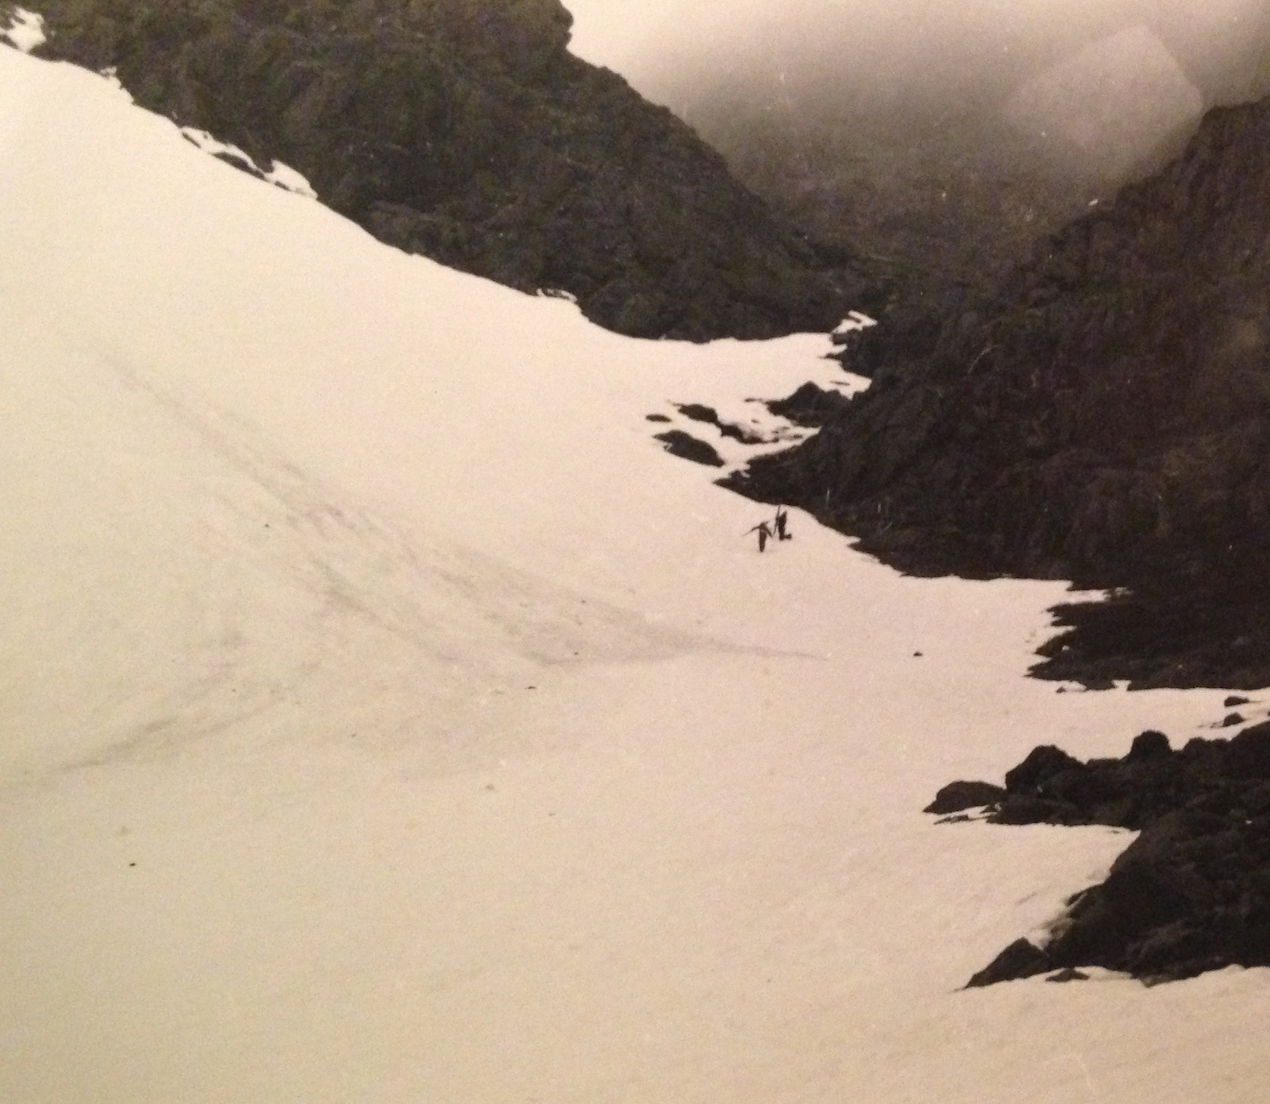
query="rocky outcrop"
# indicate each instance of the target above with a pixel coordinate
(466, 131)
(699, 412)
(1102, 415)
(1190, 894)
(957, 796)
(809, 405)
(687, 447)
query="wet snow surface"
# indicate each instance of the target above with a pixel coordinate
(387, 717)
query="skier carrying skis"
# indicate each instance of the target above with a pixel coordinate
(782, 520)
(764, 534)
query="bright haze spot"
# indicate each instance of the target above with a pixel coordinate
(676, 49)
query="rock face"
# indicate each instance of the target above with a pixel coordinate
(1191, 893)
(1102, 415)
(934, 203)
(466, 131)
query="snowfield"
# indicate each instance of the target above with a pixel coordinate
(386, 717)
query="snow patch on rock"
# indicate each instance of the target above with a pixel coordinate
(24, 30)
(278, 174)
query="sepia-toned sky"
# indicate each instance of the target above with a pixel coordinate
(671, 49)
(1098, 89)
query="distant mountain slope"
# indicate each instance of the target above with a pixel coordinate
(466, 131)
(1103, 415)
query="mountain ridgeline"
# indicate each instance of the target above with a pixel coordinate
(465, 130)
(1102, 413)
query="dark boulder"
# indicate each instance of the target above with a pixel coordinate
(957, 796)
(699, 412)
(1020, 959)
(1149, 745)
(1028, 809)
(687, 447)
(1041, 764)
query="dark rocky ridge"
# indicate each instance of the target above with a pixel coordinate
(466, 131)
(1190, 894)
(1102, 414)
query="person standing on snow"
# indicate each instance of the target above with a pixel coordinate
(782, 520)
(764, 534)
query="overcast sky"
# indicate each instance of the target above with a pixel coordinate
(670, 49)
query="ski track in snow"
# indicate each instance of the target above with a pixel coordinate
(387, 717)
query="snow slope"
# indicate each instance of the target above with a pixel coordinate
(387, 717)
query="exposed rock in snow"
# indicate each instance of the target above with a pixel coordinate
(1190, 894)
(810, 405)
(687, 447)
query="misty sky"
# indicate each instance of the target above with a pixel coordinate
(671, 49)
(1085, 90)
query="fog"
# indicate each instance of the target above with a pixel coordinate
(984, 120)
(832, 52)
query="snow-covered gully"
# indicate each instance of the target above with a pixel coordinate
(387, 717)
